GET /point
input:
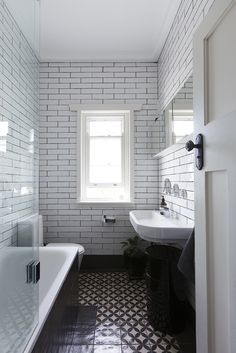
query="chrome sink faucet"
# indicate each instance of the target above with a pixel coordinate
(165, 212)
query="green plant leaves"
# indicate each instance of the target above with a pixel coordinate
(132, 246)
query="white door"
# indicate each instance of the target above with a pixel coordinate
(215, 118)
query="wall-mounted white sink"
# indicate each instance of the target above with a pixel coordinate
(154, 227)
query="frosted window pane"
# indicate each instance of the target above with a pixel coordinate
(107, 193)
(105, 128)
(105, 160)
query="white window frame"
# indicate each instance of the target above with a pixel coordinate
(128, 151)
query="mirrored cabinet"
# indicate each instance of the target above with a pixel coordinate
(179, 114)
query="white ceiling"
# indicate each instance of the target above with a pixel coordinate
(105, 30)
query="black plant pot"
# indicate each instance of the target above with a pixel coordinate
(126, 258)
(135, 265)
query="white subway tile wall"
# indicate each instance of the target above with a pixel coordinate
(175, 65)
(19, 116)
(85, 83)
(185, 94)
(177, 166)
(62, 84)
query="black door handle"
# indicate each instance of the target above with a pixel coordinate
(190, 145)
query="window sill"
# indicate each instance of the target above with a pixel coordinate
(106, 203)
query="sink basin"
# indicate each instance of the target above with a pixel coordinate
(154, 227)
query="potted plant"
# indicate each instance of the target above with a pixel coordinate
(134, 257)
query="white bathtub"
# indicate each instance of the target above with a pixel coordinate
(55, 264)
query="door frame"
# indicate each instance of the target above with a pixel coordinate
(216, 14)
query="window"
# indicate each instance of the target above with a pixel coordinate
(105, 156)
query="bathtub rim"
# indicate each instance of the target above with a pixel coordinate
(49, 300)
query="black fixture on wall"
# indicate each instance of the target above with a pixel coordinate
(199, 150)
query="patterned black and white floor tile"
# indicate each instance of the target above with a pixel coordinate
(121, 325)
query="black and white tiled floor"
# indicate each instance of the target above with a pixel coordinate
(112, 317)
